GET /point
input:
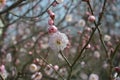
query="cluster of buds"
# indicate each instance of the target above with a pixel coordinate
(57, 40)
(52, 28)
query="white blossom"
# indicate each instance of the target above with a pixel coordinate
(107, 38)
(93, 77)
(59, 1)
(33, 68)
(97, 54)
(9, 57)
(58, 41)
(81, 22)
(68, 18)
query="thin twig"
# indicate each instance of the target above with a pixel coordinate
(69, 64)
(98, 23)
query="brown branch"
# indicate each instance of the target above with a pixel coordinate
(11, 7)
(96, 24)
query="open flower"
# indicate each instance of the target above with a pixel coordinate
(33, 68)
(59, 1)
(58, 41)
(93, 77)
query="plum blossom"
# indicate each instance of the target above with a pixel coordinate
(59, 1)
(58, 41)
(68, 18)
(93, 77)
(81, 22)
(107, 37)
(33, 68)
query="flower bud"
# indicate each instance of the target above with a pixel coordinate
(52, 29)
(52, 15)
(91, 18)
(56, 67)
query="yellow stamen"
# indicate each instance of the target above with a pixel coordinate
(58, 42)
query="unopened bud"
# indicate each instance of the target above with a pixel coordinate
(91, 18)
(52, 29)
(52, 15)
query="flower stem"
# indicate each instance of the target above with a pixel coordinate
(69, 64)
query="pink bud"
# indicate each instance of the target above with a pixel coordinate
(88, 13)
(52, 29)
(88, 46)
(91, 18)
(50, 22)
(52, 15)
(68, 45)
(56, 67)
(2, 68)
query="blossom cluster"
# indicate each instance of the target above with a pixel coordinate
(58, 41)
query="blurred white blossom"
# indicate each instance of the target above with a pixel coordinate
(9, 57)
(68, 18)
(93, 77)
(96, 54)
(83, 76)
(37, 76)
(107, 37)
(63, 71)
(81, 22)
(59, 1)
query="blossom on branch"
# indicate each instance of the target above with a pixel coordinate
(58, 41)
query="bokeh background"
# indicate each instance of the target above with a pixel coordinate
(24, 39)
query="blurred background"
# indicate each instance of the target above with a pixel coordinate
(24, 49)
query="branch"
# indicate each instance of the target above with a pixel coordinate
(96, 24)
(69, 64)
(11, 7)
